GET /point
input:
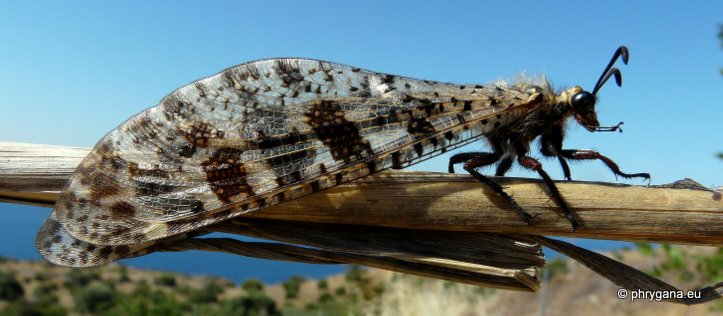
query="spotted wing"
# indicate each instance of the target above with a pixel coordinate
(262, 133)
(59, 247)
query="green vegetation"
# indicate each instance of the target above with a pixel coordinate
(24, 308)
(45, 294)
(95, 298)
(644, 248)
(204, 295)
(146, 301)
(117, 290)
(44, 302)
(362, 287)
(252, 285)
(81, 277)
(111, 291)
(322, 285)
(255, 303)
(675, 259)
(292, 286)
(10, 289)
(558, 265)
(166, 279)
(123, 274)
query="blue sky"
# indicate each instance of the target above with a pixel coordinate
(71, 72)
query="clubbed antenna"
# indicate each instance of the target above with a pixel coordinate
(609, 71)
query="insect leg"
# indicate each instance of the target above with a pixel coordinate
(462, 158)
(551, 146)
(504, 165)
(582, 154)
(532, 164)
(483, 159)
(497, 149)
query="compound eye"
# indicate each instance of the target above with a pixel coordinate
(583, 102)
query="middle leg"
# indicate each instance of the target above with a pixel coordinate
(532, 164)
(485, 159)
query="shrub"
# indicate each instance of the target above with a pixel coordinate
(322, 285)
(95, 298)
(40, 277)
(252, 285)
(144, 301)
(10, 289)
(326, 298)
(123, 274)
(208, 294)
(292, 286)
(214, 288)
(21, 308)
(44, 294)
(53, 310)
(166, 279)
(362, 283)
(256, 303)
(142, 289)
(711, 266)
(644, 248)
(556, 266)
(356, 274)
(81, 277)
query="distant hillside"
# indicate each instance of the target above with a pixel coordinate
(36, 288)
(572, 290)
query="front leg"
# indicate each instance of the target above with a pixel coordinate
(582, 154)
(532, 164)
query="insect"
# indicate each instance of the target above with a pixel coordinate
(269, 131)
(547, 121)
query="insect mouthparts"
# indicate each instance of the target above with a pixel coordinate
(613, 128)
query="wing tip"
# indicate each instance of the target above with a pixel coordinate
(57, 246)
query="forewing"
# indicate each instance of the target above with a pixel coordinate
(262, 133)
(59, 247)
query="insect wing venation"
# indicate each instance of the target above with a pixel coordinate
(263, 133)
